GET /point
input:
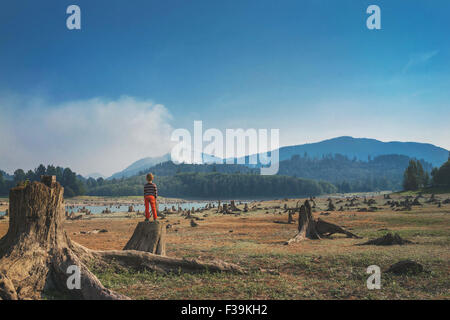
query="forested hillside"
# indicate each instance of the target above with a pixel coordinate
(298, 176)
(216, 186)
(169, 168)
(349, 175)
(363, 148)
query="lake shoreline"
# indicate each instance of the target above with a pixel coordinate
(137, 201)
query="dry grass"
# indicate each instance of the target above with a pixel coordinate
(322, 269)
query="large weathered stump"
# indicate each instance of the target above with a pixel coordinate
(309, 228)
(36, 253)
(148, 237)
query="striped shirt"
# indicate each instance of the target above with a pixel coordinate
(150, 190)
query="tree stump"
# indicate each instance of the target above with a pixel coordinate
(290, 219)
(148, 237)
(309, 228)
(306, 223)
(233, 206)
(331, 206)
(36, 253)
(219, 207)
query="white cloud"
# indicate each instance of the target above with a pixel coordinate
(419, 59)
(94, 135)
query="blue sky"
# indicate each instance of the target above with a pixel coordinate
(310, 68)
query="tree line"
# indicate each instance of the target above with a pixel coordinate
(215, 185)
(300, 175)
(208, 183)
(384, 172)
(415, 177)
(72, 183)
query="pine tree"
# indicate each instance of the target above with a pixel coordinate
(411, 179)
(415, 176)
(441, 176)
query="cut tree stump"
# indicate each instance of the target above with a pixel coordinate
(148, 237)
(233, 206)
(309, 228)
(36, 253)
(290, 219)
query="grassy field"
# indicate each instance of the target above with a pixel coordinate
(431, 190)
(332, 268)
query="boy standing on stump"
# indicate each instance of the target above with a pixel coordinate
(150, 195)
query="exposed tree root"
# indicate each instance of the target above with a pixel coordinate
(139, 260)
(327, 229)
(309, 228)
(7, 290)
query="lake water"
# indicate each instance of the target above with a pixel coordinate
(141, 208)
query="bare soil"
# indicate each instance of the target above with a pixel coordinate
(333, 268)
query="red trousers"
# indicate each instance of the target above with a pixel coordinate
(152, 201)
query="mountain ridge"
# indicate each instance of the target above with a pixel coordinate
(362, 148)
(140, 165)
(359, 148)
(95, 175)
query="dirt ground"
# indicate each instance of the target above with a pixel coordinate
(332, 268)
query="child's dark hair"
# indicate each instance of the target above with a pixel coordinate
(150, 177)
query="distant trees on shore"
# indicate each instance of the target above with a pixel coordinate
(300, 175)
(209, 184)
(441, 176)
(415, 177)
(384, 172)
(73, 184)
(217, 185)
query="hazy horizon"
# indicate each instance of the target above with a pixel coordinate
(89, 173)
